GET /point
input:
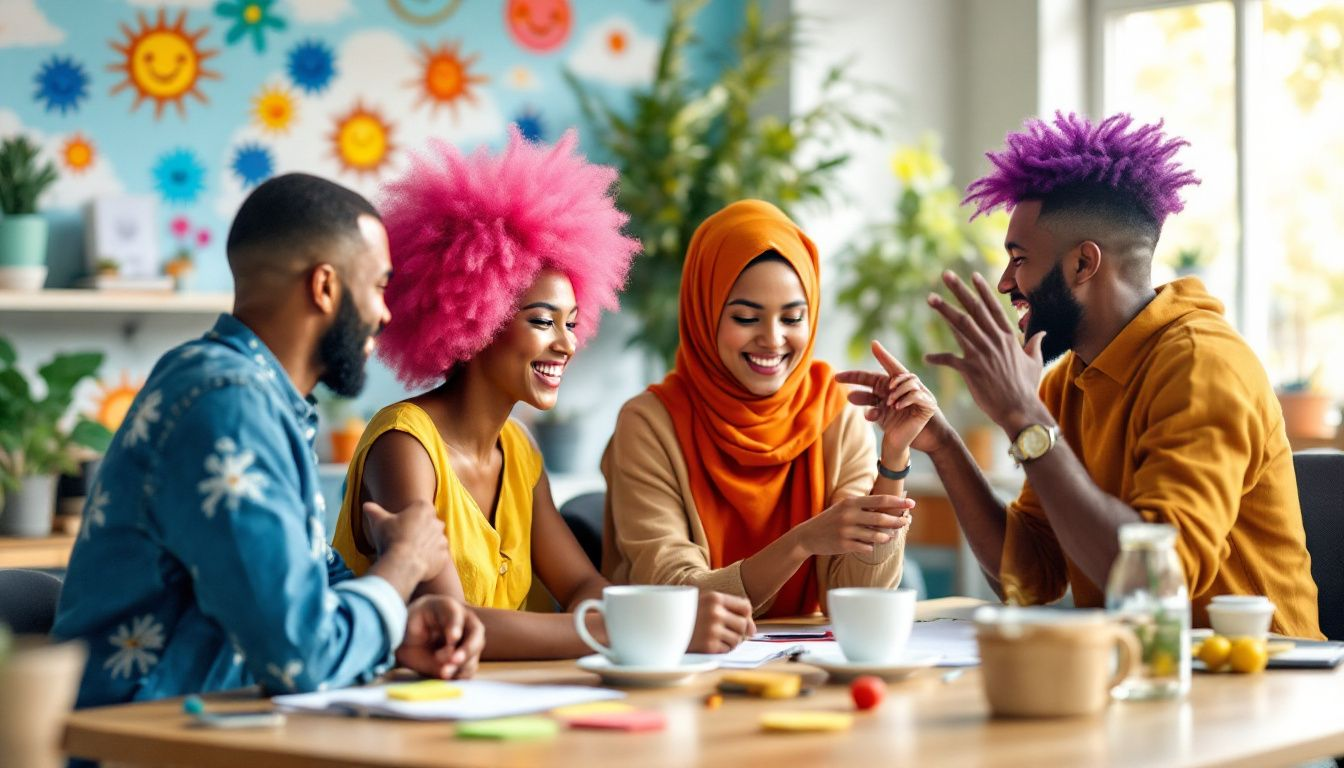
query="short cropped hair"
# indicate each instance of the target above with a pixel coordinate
(286, 216)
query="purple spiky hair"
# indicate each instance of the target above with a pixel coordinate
(1044, 158)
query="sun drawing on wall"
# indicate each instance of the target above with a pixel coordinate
(446, 77)
(77, 153)
(252, 164)
(163, 62)
(362, 140)
(311, 65)
(273, 109)
(115, 401)
(62, 83)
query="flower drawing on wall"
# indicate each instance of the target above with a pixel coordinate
(77, 154)
(362, 140)
(446, 77)
(273, 109)
(179, 176)
(252, 164)
(530, 125)
(311, 66)
(162, 63)
(62, 84)
(251, 18)
(539, 25)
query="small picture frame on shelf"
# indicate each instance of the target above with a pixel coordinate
(123, 230)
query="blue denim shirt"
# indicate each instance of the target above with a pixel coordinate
(203, 563)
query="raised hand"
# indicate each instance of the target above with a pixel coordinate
(897, 401)
(1001, 375)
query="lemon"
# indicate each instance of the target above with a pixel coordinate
(1163, 664)
(1214, 652)
(1248, 654)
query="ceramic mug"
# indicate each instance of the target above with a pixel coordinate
(1041, 662)
(871, 624)
(649, 626)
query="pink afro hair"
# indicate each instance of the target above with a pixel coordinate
(1075, 151)
(469, 235)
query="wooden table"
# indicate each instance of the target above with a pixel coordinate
(45, 552)
(1276, 718)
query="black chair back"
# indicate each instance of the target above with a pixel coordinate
(583, 514)
(1320, 489)
(28, 600)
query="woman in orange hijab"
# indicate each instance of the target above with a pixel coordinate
(743, 471)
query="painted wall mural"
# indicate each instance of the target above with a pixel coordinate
(195, 102)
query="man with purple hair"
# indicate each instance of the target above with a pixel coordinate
(1157, 411)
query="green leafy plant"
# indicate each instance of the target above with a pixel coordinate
(685, 150)
(22, 178)
(33, 440)
(1189, 259)
(888, 272)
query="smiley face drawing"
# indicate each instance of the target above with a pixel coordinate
(362, 141)
(539, 25)
(162, 62)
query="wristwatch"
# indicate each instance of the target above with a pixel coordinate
(1032, 443)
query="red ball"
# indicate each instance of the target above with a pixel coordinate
(867, 691)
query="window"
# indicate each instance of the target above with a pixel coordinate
(1257, 86)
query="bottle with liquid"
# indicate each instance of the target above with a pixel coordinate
(1147, 591)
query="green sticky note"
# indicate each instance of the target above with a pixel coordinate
(509, 728)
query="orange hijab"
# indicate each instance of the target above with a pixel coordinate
(755, 463)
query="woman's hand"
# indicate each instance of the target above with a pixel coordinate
(897, 401)
(721, 622)
(855, 525)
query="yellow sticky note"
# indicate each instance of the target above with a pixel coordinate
(796, 720)
(592, 708)
(425, 690)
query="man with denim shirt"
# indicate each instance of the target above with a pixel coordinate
(203, 563)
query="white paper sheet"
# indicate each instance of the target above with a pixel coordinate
(480, 699)
(952, 639)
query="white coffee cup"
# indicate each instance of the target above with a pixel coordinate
(872, 624)
(649, 626)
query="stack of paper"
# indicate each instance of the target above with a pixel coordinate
(952, 639)
(480, 699)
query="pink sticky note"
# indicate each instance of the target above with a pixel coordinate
(638, 720)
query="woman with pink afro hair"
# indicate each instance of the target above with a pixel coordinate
(502, 264)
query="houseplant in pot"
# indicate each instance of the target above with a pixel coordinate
(889, 270)
(686, 148)
(35, 445)
(23, 233)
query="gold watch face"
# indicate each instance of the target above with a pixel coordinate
(1035, 441)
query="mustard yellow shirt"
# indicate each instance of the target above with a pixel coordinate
(1176, 417)
(493, 562)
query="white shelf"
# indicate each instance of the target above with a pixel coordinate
(119, 302)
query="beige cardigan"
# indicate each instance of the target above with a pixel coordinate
(652, 534)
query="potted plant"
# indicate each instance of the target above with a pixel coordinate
(687, 149)
(23, 233)
(180, 267)
(344, 425)
(34, 444)
(888, 271)
(1190, 262)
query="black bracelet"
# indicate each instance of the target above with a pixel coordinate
(892, 474)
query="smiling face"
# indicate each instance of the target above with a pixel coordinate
(539, 25)
(764, 328)
(527, 360)
(164, 64)
(1034, 281)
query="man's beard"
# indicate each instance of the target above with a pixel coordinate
(341, 349)
(1055, 311)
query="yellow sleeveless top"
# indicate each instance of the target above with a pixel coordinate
(493, 562)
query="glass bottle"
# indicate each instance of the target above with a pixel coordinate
(1147, 592)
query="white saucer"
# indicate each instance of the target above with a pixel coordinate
(648, 677)
(839, 669)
